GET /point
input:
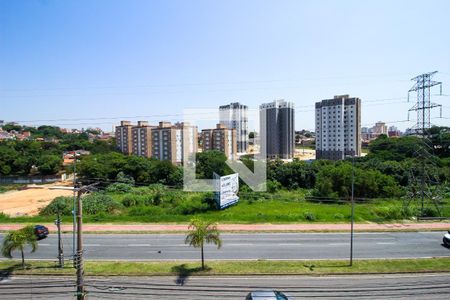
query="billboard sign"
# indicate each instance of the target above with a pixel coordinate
(226, 190)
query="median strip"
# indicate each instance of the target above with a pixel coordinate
(241, 267)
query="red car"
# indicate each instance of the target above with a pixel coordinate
(41, 232)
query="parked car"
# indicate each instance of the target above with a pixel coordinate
(267, 295)
(446, 239)
(41, 232)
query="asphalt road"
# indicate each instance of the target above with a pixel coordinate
(409, 286)
(275, 246)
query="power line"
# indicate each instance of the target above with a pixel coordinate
(182, 114)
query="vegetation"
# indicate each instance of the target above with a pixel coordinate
(17, 240)
(263, 267)
(93, 204)
(202, 232)
(158, 203)
(137, 189)
(31, 157)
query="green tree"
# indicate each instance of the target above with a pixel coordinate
(49, 164)
(202, 232)
(212, 161)
(17, 240)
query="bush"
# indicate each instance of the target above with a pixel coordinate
(429, 212)
(309, 216)
(339, 216)
(273, 186)
(140, 200)
(191, 206)
(119, 187)
(62, 204)
(96, 203)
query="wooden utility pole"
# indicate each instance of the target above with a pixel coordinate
(78, 258)
(79, 253)
(60, 245)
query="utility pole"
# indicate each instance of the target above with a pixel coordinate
(81, 293)
(74, 210)
(79, 253)
(60, 245)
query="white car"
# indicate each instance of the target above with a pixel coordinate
(446, 239)
(267, 295)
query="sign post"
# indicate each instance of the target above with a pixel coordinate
(227, 190)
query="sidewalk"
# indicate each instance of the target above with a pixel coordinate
(315, 227)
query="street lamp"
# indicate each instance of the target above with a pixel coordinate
(353, 210)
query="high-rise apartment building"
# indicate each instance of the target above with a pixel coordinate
(142, 139)
(123, 137)
(338, 127)
(221, 139)
(234, 116)
(279, 137)
(173, 142)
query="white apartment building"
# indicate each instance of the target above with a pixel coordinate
(234, 116)
(338, 127)
(173, 142)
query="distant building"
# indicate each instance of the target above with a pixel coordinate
(124, 137)
(379, 128)
(142, 139)
(173, 143)
(394, 132)
(234, 116)
(221, 139)
(279, 137)
(338, 127)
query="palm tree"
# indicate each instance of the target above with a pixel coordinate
(17, 240)
(202, 232)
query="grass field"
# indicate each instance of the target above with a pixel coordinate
(10, 187)
(321, 267)
(280, 207)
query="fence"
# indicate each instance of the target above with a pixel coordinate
(30, 179)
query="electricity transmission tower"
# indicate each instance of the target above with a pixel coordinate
(424, 185)
(423, 105)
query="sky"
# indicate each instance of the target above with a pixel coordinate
(80, 64)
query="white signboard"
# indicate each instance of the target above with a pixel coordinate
(227, 190)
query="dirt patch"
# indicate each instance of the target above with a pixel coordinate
(27, 202)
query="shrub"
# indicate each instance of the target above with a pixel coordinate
(62, 204)
(309, 216)
(119, 187)
(193, 205)
(429, 212)
(339, 216)
(97, 202)
(273, 186)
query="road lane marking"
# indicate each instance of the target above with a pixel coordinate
(139, 245)
(386, 243)
(338, 244)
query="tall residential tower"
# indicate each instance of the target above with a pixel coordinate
(338, 127)
(279, 137)
(234, 116)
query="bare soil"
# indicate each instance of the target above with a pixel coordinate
(27, 202)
